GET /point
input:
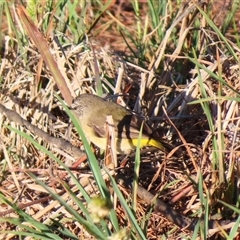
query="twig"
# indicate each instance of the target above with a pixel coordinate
(178, 219)
(61, 143)
(25, 205)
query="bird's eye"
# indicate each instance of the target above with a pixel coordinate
(73, 107)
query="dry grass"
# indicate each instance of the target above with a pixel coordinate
(161, 86)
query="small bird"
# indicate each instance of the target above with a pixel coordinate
(92, 110)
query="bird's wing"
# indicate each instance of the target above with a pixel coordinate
(127, 127)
